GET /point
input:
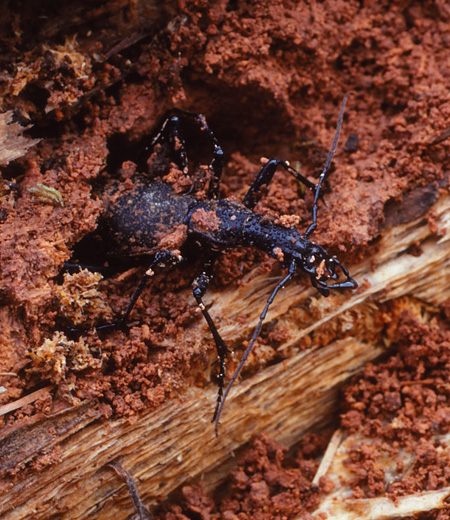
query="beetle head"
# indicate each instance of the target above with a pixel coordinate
(323, 269)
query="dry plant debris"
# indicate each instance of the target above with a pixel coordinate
(80, 301)
(13, 144)
(58, 356)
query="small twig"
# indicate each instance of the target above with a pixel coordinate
(124, 44)
(142, 512)
(23, 401)
(328, 456)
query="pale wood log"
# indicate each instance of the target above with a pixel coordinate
(169, 446)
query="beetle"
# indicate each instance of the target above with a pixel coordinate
(138, 221)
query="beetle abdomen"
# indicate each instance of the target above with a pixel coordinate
(140, 221)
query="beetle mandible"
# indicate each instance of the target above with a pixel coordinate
(137, 221)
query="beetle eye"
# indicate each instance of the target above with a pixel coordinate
(312, 259)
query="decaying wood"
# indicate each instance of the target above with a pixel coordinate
(22, 444)
(176, 443)
(338, 505)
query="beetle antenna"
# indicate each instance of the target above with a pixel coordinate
(280, 285)
(313, 225)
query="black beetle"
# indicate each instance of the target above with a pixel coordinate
(137, 223)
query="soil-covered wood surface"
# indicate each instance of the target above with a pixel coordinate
(343, 408)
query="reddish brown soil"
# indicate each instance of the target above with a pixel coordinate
(94, 80)
(404, 402)
(268, 483)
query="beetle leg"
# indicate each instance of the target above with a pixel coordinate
(160, 260)
(171, 133)
(172, 127)
(216, 165)
(264, 178)
(199, 288)
(280, 285)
